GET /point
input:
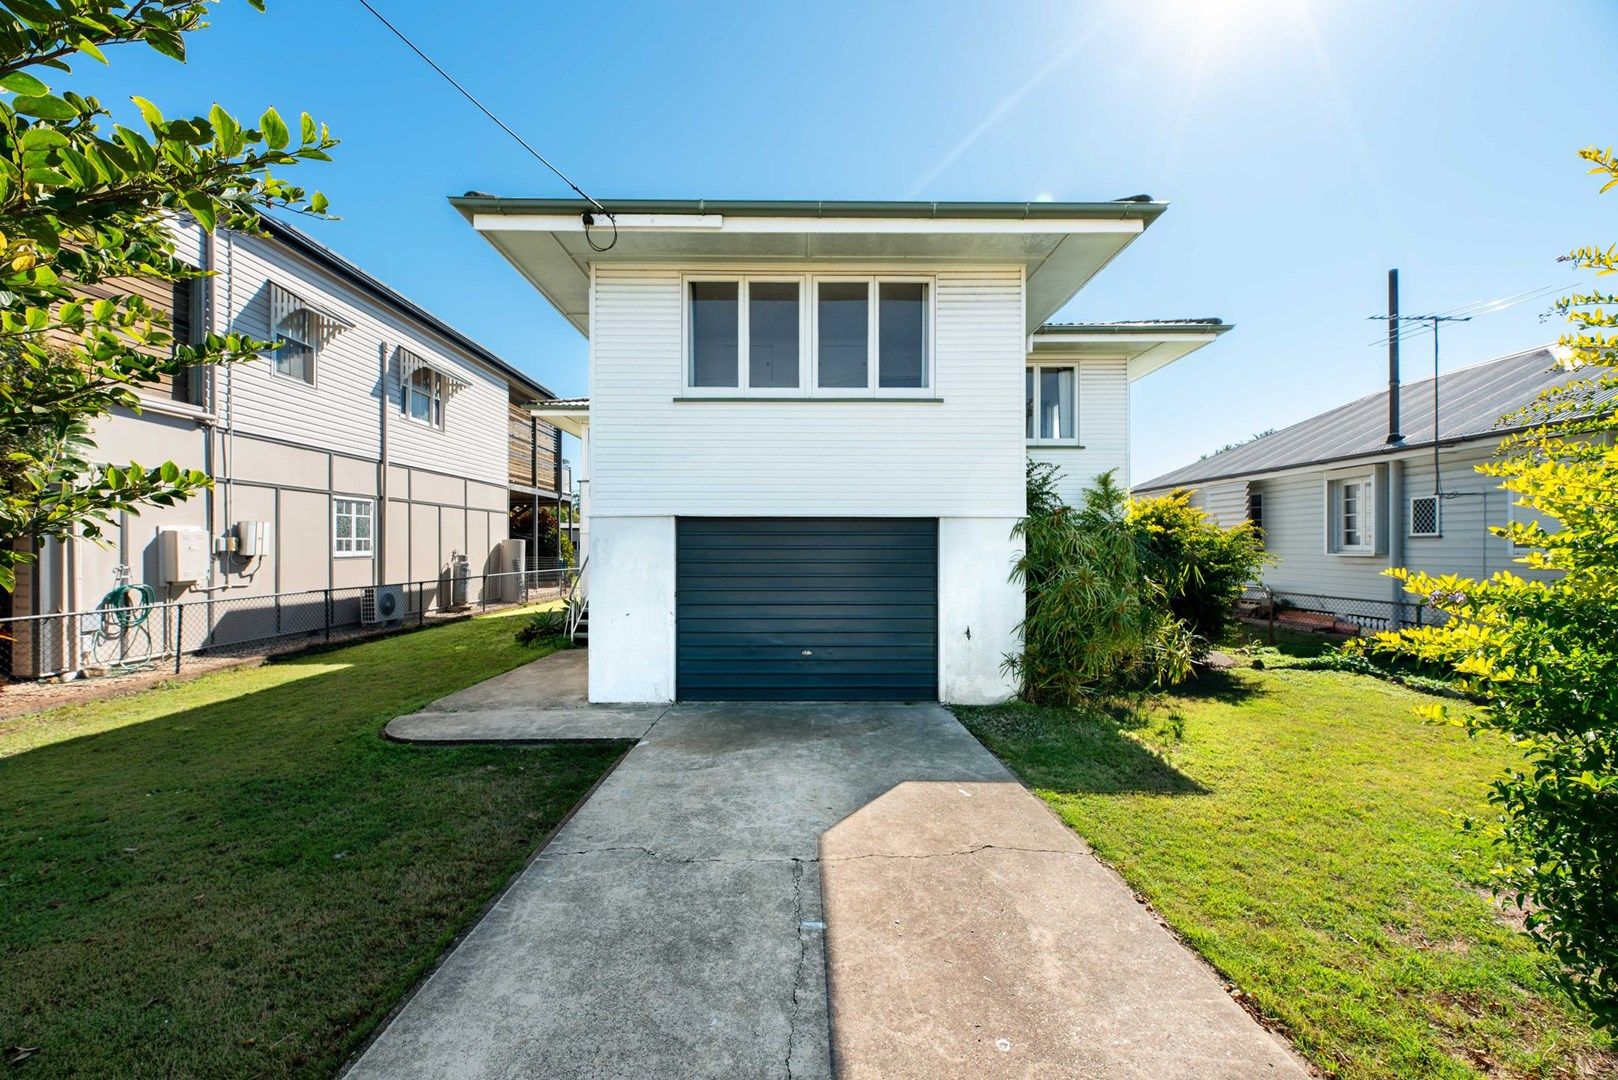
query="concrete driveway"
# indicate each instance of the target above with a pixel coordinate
(677, 925)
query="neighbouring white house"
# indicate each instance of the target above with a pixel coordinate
(805, 441)
(376, 445)
(1377, 483)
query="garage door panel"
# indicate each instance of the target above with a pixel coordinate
(807, 609)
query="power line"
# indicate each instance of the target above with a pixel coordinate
(485, 110)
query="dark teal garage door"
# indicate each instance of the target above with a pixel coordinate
(807, 609)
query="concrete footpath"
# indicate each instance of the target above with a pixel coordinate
(683, 924)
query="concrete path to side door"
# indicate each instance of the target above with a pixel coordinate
(689, 918)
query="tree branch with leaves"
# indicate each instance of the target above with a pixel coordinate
(87, 201)
(1541, 653)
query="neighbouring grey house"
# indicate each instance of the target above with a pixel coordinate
(376, 445)
(1340, 502)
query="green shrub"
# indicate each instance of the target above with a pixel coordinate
(541, 625)
(1542, 653)
(1093, 621)
(1201, 566)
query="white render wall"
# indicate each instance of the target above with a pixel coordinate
(631, 586)
(979, 609)
(654, 458)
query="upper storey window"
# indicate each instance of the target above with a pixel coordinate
(1050, 404)
(831, 337)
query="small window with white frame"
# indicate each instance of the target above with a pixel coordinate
(1351, 513)
(1050, 404)
(302, 330)
(1424, 515)
(353, 527)
(422, 397)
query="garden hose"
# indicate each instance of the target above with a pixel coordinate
(123, 611)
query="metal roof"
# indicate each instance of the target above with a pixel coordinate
(1128, 326)
(319, 253)
(1471, 402)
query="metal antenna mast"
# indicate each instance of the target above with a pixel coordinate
(1395, 321)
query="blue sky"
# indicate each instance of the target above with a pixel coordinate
(1305, 146)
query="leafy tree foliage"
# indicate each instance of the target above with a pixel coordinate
(84, 202)
(1201, 566)
(1542, 654)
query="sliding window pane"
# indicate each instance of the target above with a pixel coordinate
(1056, 403)
(902, 334)
(844, 319)
(715, 316)
(772, 334)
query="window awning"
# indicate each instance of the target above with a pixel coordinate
(323, 324)
(410, 363)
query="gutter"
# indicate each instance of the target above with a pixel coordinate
(1123, 209)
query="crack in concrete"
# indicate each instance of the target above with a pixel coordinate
(803, 953)
(797, 860)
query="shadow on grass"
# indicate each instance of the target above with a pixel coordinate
(1086, 750)
(244, 884)
(1209, 684)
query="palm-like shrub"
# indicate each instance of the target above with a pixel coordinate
(1094, 623)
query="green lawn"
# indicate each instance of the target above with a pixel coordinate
(1300, 829)
(237, 876)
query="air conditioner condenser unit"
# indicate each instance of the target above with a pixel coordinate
(382, 604)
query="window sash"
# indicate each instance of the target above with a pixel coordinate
(1355, 513)
(1053, 423)
(296, 356)
(422, 397)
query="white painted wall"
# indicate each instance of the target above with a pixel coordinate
(1103, 416)
(653, 455)
(979, 609)
(631, 584)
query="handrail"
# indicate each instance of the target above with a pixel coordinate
(575, 603)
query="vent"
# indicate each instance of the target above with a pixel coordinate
(1424, 515)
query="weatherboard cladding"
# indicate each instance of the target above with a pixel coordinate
(1471, 403)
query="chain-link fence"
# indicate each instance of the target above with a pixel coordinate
(135, 633)
(1321, 614)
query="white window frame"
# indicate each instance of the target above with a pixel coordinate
(1037, 369)
(809, 338)
(338, 510)
(1438, 518)
(437, 399)
(313, 381)
(1336, 518)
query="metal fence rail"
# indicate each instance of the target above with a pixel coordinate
(114, 638)
(1319, 613)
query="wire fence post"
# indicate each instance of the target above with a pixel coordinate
(483, 594)
(179, 635)
(1269, 606)
(328, 614)
(421, 604)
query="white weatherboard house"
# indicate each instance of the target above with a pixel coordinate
(1345, 495)
(806, 435)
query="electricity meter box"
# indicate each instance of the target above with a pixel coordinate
(183, 555)
(249, 539)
